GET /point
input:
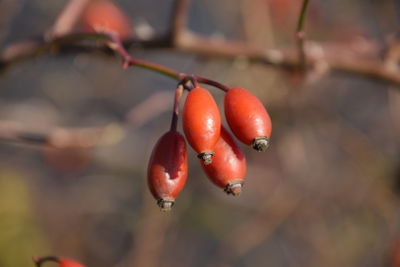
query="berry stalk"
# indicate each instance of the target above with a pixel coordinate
(39, 261)
(175, 112)
(211, 82)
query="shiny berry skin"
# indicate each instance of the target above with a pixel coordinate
(248, 118)
(201, 123)
(228, 167)
(167, 169)
(69, 263)
(105, 16)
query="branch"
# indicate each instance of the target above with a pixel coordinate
(330, 56)
(333, 58)
(56, 137)
(336, 59)
(116, 45)
(179, 19)
(109, 134)
(300, 34)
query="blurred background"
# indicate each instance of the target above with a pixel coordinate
(326, 193)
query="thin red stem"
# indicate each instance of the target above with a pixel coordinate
(116, 45)
(211, 82)
(194, 81)
(40, 261)
(175, 113)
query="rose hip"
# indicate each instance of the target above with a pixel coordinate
(105, 16)
(201, 123)
(167, 169)
(69, 263)
(228, 167)
(248, 118)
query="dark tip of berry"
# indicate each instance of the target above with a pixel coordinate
(261, 143)
(206, 157)
(234, 188)
(165, 204)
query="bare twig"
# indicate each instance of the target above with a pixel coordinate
(149, 108)
(39, 261)
(336, 60)
(179, 19)
(109, 134)
(300, 34)
(116, 45)
(56, 137)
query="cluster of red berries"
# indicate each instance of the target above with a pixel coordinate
(220, 156)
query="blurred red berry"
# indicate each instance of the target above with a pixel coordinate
(228, 167)
(394, 255)
(69, 263)
(61, 261)
(105, 16)
(67, 160)
(248, 118)
(201, 122)
(167, 169)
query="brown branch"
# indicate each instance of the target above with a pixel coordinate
(330, 57)
(183, 40)
(333, 58)
(57, 137)
(300, 34)
(179, 19)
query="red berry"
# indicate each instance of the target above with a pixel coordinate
(228, 167)
(167, 169)
(105, 16)
(201, 122)
(248, 118)
(67, 160)
(394, 255)
(69, 263)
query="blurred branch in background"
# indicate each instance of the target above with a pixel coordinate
(362, 59)
(300, 34)
(147, 110)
